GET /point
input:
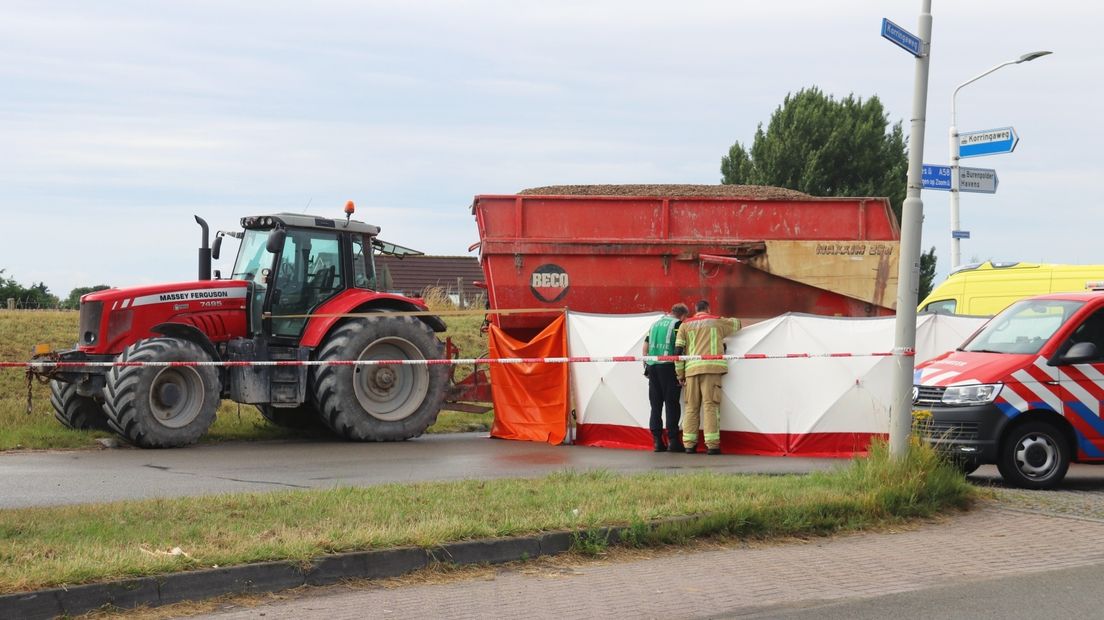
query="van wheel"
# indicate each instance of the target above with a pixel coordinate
(1035, 455)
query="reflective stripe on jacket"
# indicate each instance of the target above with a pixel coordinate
(704, 334)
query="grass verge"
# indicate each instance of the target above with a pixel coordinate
(43, 547)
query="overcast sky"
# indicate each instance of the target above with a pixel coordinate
(120, 120)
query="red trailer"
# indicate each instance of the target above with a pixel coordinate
(752, 257)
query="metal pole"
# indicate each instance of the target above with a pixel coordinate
(956, 254)
(956, 250)
(908, 272)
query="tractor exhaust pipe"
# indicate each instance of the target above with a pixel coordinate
(204, 251)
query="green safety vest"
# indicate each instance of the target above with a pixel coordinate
(661, 338)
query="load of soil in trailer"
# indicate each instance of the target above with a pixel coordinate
(670, 190)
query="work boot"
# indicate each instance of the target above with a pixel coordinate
(712, 450)
(691, 448)
(657, 440)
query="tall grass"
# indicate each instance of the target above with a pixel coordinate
(65, 545)
(19, 331)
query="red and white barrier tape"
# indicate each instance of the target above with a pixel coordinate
(482, 360)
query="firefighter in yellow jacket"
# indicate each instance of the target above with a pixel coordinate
(703, 334)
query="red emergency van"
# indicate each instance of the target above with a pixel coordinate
(1024, 392)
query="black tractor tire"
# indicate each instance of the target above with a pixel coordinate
(82, 413)
(1034, 455)
(162, 406)
(303, 417)
(386, 402)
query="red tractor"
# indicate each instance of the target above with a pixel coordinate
(296, 280)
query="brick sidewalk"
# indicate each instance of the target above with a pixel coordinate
(990, 542)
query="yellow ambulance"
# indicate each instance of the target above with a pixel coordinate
(987, 288)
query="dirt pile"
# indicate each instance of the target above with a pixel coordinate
(753, 192)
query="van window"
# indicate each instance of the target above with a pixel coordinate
(943, 306)
(1024, 327)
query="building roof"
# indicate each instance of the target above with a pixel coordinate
(453, 274)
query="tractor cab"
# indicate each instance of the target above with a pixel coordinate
(295, 263)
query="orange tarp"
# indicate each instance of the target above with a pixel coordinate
(530, 399)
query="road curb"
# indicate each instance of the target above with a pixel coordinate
(282, 575)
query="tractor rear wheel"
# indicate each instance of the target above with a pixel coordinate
(75, 411)
(384, 402)
(162, 406)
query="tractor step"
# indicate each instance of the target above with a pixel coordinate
(276, 385)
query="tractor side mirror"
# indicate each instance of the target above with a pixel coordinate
(216, 246)
(275, 240)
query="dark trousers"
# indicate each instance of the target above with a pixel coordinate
(664, 389)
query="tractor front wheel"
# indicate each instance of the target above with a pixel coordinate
(380, 402)
(75, 411)
(162, 405)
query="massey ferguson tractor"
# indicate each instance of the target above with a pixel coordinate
(302, 289)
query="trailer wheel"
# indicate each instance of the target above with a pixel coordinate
(303, 417)
(1035, 455)
(162, 406)
(75, 411)
(386, 402)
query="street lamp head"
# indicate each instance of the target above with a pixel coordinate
(1031, 56)
(955, 152)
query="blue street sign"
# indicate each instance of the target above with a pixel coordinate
(988, 142)
(902, 38)
(936, 177)
(970, 180)
(960, 234)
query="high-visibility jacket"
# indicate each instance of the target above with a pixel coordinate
(704, 334)
(661, 337)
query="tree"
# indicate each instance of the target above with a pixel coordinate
(820, 146)
(823, 147)
(73, 301)
(36, 296)
(927, 273)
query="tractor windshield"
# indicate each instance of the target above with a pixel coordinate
(252, 256)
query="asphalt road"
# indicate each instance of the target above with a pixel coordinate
(70, 477)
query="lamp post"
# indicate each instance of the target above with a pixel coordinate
(908, 266)
(956, 254)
